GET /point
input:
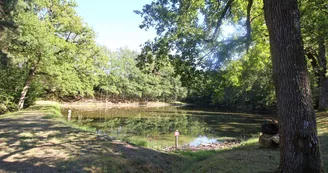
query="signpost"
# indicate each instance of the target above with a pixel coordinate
(69, 115)
(176, 134)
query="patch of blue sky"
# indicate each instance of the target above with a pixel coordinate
(115, 23)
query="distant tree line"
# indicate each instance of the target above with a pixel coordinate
(123, 81)
(47, 51)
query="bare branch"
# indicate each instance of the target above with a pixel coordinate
(68, 37)
(223, 14)
(248, 24)
(239, 39)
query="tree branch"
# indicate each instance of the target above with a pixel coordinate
(248, 25)
(69, 35)
(7, 24)
(223, 14)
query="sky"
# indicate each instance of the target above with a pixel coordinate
(115, 23)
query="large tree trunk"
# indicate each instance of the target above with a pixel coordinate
(323, 80)
(299, 145)
(25, 89)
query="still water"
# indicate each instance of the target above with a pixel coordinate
(155, 127)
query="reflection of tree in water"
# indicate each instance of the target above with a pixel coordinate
(154, 126)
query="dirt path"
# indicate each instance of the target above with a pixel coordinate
(31, 142)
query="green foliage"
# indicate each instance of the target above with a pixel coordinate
(11, 80)
(212, 64)
(313, 24)
(124, 80)
(244, 83)
(50, 50)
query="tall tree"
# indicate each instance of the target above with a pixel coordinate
(54, 47)
(193, 31)
(314, 22)
(6, 23)
(299, 145)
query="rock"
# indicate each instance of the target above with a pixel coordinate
(267, 141)
(270, 128)
(275, 138)
(205, 146)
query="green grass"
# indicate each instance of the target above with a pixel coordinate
(247, 158)
(199, 155)
(53, 112)
(166, 140)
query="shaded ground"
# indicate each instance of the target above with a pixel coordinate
(252, 159)
(32, 141)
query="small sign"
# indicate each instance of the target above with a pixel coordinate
(176, 133)
(69, 116)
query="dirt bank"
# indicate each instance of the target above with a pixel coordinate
(35, 141)
(92, 104)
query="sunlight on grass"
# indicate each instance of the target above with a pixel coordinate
(55, 140)
(26, 135)
(167, 140)
(245, 158)
(48, 133)
(250, 142)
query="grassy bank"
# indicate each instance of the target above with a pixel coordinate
(38, 139)
(248, 157)
(41, 136)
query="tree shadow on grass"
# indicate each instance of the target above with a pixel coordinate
(323, 138)
(31, 143)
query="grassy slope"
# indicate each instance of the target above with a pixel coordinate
(38, 139)
(249, 158)
(246, 158)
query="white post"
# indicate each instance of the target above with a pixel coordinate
(69, 115)
(176, 134)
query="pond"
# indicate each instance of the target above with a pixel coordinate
(155, 127)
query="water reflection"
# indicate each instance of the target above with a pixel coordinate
(149, 125)
(203, 140)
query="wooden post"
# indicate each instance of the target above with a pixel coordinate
(69, 115)
(176, 134)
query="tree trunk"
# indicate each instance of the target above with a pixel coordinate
(299, 145)
(25, 89)
(323, 81)
(3, 58)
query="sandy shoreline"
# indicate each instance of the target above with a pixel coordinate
(113, 105)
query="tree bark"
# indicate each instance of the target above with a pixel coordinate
(26, 88)
(323, 80)
(299, 145)
(3, 58)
